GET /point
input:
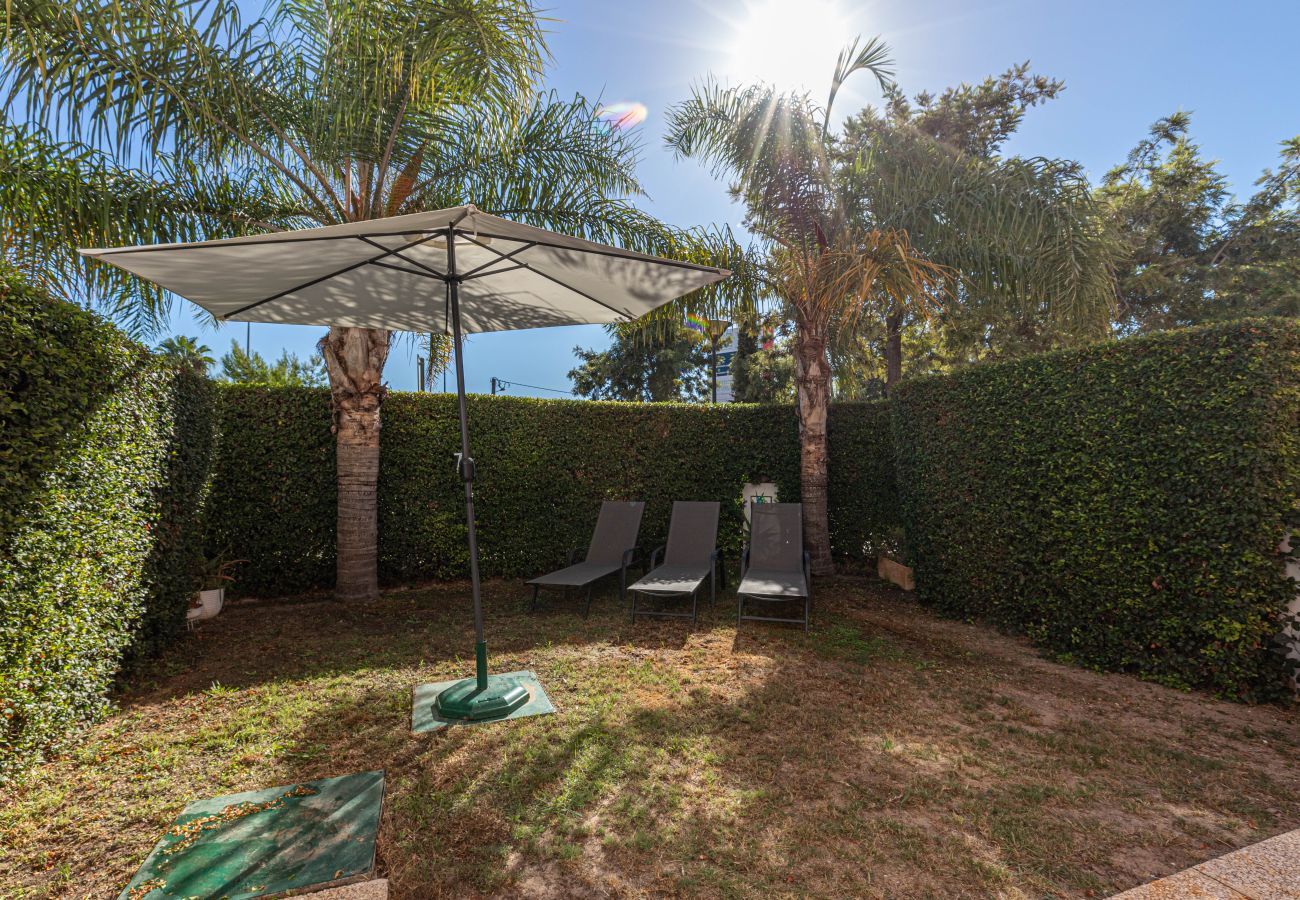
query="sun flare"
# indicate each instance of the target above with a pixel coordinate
(791, 44)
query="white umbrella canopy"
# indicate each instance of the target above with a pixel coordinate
(387, 273)
(453, 271)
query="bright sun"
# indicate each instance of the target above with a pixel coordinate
(792, 44)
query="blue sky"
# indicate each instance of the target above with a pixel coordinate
(1125, 64)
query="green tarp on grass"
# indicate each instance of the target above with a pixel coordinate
(256, 843)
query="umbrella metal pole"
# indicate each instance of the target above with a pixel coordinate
(480, 698)
(467, 474)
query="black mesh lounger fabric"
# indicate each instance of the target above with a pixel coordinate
(688, 559)
(616, 531)
(775, 552)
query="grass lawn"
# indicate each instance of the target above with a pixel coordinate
(886, 753)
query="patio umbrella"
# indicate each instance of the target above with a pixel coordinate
(454, 271)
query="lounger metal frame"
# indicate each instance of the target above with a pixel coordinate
(715, 566)
(629, 558)
(768, 598)
(613, 548)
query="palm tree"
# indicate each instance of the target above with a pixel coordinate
(823, 261)
(886, 225)
(1023, 239)
(187, 350)
(338, 111)
(57, 195)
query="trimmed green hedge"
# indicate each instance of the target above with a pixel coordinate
(1120, 504)
(543, 468)
(864, 502)
(274, 494)
(104, 452)
(187, 423)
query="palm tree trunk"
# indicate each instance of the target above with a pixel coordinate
(355, 359)
(893, 350)
(813, 388)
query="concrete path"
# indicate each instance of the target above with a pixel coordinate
(1269, 870)
(365, 890)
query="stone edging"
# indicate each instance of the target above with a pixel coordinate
(1269, 870)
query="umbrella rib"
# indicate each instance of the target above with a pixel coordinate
(398, 254)
(501, 257)
(316, 281)
(406, 270)
(609, 251)
(580, 293)
(517, 265)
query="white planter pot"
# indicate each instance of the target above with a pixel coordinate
(210, 604)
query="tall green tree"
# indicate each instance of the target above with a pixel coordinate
(776, 151)
(1028, 249)
(908, 213)
(763, 368)
(1194, 253)
(334, 111)
(187, 350)
(974, 120)
(238, 366)
(648, 365)
(860, 358)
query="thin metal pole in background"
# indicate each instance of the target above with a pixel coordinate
(713, 367)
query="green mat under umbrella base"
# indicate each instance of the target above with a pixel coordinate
(426, 717)
(267, 842)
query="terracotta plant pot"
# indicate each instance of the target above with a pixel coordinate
(896, 573)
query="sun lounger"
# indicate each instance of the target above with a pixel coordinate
(613, 549)
(690, 557)
(774, 567)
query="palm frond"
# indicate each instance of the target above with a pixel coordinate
(865, 271)
(770, 143)
(873, 57)
(58, 196)
(1025, 235)
(554, 157)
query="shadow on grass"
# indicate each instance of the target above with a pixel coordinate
(650, 777)
(885, 753)
(597, 797)
(428, 628)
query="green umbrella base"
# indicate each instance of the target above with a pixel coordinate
(257, 843)
(509, 696)
(466, 700)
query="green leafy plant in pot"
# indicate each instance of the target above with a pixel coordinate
(211, 593)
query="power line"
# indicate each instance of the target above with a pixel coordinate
(500, 384)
